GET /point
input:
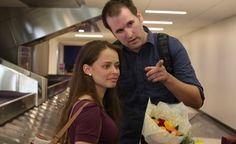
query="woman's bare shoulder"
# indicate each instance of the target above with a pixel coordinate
(86, 97)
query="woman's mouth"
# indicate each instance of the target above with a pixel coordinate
(113, 79)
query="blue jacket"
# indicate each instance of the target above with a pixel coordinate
(135, 89)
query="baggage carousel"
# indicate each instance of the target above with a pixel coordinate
(29, 103)
(43, 118)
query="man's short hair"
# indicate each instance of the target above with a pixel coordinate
(113, 8)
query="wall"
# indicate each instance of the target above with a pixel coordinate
(53, 56)
(40, 58)
(212, 51)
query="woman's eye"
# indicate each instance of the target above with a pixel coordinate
(106, 66)
(117, 66)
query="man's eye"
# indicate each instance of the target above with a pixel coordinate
(130, 24)
(119, 31)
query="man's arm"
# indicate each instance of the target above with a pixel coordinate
(187, 93)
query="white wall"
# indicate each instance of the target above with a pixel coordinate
(212, 51)
(53, 56)
(56, 52)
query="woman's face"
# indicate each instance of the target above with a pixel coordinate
(105, 70)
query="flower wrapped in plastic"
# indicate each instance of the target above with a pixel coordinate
(166, 123)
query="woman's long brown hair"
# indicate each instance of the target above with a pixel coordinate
(82, 84)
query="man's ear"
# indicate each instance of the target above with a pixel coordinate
(140, 16)
(87, 69)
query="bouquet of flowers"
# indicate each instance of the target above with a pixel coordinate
(166, 124)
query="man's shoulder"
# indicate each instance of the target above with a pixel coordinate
(166, 35)
(118, 44)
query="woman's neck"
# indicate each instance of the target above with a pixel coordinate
(101, 92)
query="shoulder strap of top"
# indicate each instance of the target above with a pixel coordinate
(100, 124)
(61, 132)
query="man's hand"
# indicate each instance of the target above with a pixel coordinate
(157, 73)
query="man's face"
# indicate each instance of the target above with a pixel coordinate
(128, 29)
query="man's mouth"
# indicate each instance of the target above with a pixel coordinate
(132, 41)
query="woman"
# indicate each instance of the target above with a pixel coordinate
(94, 79)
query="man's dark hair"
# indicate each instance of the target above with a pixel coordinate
(113, 8)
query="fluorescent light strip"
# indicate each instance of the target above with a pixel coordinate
(81, 30)
(157, 22)
(166, 12)
(156, 29)
(89, 35)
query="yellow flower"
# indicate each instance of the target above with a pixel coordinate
(198, 142)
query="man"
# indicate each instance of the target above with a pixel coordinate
(143, 74)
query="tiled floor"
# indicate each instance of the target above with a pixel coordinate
(206, 127)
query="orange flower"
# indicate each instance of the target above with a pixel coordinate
(167, 125)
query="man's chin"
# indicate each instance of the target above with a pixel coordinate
(134, 48)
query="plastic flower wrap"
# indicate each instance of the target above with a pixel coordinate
(166, 123)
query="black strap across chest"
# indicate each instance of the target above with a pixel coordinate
(164, 51)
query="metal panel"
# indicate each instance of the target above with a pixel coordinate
(7, 42)
(6, 37)
(42, 81)
(41, 22)
(3, 15)
(42, 88)
(23, 25)
(12, 108)
(52, 3)
(13, 80)
(8, 79)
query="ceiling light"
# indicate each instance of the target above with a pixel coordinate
(89, 35)
(157, 22)
(81, 30)
(166, 12)
(156, 29)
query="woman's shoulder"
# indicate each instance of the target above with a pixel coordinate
(84, 99)
(92, 109)
(81, 102)
(91, 106)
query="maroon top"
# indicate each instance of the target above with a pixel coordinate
(86, 126)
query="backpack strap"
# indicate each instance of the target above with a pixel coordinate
(164, 51)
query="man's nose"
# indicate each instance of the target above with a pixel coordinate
(128, 33)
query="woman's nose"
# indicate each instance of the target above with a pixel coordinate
(115, 69)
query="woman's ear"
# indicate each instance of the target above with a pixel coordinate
(140, 16)
(87, 69)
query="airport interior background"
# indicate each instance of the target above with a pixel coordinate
(38, 46)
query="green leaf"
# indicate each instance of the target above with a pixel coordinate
(187, 140)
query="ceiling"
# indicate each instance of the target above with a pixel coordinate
(200, 13)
